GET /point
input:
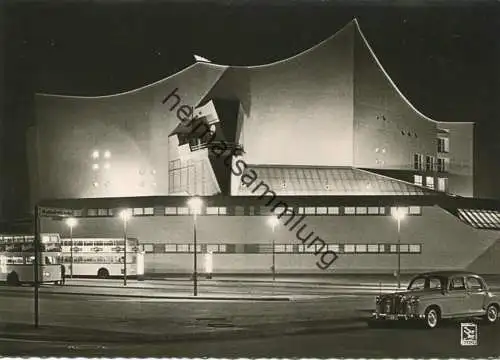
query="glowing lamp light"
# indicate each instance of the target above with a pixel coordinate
(125, 215)
(71, 222)
(399, 214)
(273, 221)
(195, 205)
(107, 154)
(95, 154)
(95, 166)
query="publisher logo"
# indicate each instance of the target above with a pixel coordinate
(468, 334)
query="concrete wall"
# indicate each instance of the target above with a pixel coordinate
(387, 131)
(133, 126)
(447, 243)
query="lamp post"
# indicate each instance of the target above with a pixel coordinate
(273, 221)
(195, 205)
(399, 214)
(125, 216)
(71, 222)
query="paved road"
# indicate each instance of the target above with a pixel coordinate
(333, 326)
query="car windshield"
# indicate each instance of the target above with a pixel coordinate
(426, 282)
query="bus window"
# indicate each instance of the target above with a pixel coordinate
(88, 243)
(78, 243)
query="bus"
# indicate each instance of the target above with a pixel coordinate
(17, 257)
(102, 257)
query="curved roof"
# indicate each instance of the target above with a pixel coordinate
(200, 61)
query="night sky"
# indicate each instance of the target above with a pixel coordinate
(445, 59)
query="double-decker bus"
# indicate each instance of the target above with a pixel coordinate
(102, 257)
(17, 258)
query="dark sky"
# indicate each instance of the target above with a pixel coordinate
(445, 59)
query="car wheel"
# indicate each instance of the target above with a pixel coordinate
(103, 273)
(13, 279)
(432, 318)
(491, 316)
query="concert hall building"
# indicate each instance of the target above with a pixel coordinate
(325, 133)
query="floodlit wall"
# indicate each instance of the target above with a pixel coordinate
(446, 242)
(129, 131)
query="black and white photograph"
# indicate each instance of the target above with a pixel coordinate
(250, 179)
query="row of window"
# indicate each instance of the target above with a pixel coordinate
(440, 164)
(17, 248)
(283, 248)
(131, 259)
(442, 183)
(26, 239)
(263, 210)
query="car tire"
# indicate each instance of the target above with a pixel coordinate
(432, 317)
(491, 316)
(103, 273)
(13, 279)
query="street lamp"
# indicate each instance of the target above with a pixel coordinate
(71, 222)
(399, 214)
(125, 216)
(195, 205)
(273, 221)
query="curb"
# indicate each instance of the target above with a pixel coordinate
(174, 297)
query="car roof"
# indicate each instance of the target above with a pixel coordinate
(448, 273)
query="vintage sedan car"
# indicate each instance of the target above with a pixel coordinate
(434, 296)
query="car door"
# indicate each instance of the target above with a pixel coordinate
(456, 296)
(476, 295)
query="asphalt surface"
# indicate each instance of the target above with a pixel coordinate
(89, 318)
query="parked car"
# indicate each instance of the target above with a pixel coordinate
(434, 296)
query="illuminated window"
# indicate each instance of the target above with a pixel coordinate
(429, 182)
(393, 248)
(310, 210)
(349, 248)
(182, 248)
(361, 248)
(91, 212)
(442, 184)
(148, 248)
(415, 210)
(333, 210)
(361, 210)
(333, 247)
(404, 248)
(182, 211)
(415, 248)
(191, 248)
(222, 210)
(418, 160)
(349, 210)
(373, 210)
(279, 248)
(170, 211)
(138, 211)
(373, 248)
(149, 211)
(212, 210)
(321, 210)
(212, 248)
(417, 180)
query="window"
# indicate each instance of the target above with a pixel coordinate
(403, 248)
(333, 210)
(429, 163)
(381, 248)
(457, 283)
(91, 212)
(415, 248)
(442, 184)
(349, 210)
(418, 160)
(279, 248)
(361, 210)
(170, 248)
(182, 248)
(333, 247)
(170, 211)
(373, 248)
(393, 248)
(321, 210)
(348, 248)
(443, 145)
(212, 210)
(310, 210)
(138, 211)
(429, 182)
(474, 284)
(222, 210)
(373, 210)
(182, 211)
(191, 248)
(240, 210)
(443, 164)
(417, 180)
(148, 248)
(360, 248)
(415, 210)
(149, 211)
